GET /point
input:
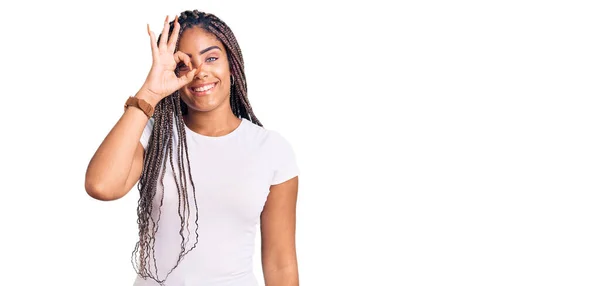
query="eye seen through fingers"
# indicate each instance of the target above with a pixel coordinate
(182, 67)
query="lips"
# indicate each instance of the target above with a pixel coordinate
(202, 89)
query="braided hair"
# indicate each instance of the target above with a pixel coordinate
(167, 114)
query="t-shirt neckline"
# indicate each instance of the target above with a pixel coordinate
(228, 135)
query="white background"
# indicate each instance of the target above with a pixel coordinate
(440, 143)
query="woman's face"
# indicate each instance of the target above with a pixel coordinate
(210, 88)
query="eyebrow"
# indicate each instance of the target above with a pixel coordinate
(207, 49)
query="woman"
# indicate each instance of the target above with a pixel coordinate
(208, 171)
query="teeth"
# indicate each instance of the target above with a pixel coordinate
(204, 88)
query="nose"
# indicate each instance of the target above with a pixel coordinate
(201, 73)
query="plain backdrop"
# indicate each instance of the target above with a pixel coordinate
(440, 142)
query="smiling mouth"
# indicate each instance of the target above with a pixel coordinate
(203, 89)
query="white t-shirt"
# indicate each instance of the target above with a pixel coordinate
(232, 175)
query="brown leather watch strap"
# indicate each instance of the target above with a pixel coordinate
(141, 104)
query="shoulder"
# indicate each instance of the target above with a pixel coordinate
(278, 153)
(266, 137)
(278, 141)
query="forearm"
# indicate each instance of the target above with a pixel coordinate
(281, 276)
(110, 166)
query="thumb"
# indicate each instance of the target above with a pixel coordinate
(187, 78)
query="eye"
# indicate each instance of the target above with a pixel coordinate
(182, 67)
(211, 59)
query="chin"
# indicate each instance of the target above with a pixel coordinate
(200, 107)
(204, 104)
(203, 108)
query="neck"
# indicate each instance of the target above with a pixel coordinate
(212, 123)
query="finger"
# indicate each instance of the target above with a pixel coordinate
(187, 78)
(152, 43)
(179, 56)
(174, 34)
(165, 34)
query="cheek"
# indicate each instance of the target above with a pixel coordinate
(222, 73)
(221, 70)
(183, 99)
(183, 91)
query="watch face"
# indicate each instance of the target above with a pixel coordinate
(132, 101)
(141, 104)
(146, 107)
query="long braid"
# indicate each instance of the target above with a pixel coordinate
(168, 114)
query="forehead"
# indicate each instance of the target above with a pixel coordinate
(197, 39)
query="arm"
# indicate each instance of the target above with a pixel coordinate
(278, 233)
(117, 164)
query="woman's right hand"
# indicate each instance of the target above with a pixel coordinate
(162, 80)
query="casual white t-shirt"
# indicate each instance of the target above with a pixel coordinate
(232, 175)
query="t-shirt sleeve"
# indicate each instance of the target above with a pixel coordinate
(284, 159)
(147, 133)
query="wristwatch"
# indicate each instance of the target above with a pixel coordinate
(141, 104)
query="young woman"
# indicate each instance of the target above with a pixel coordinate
(208, 171)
